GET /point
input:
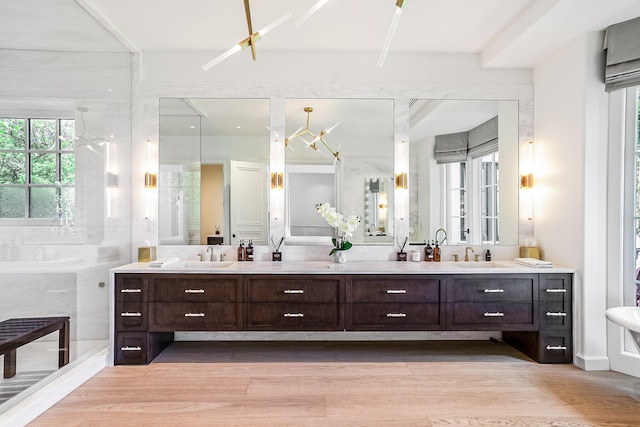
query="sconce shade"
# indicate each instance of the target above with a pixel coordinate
(401, 181)
(277, 180)
(150, 180)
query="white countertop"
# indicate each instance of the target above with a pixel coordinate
(351, 267)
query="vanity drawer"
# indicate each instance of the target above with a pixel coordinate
(196, 288)
(132, 287)
(491, 315)
(295, 316)
(294, 289)
(496, 288)
(543, 346)
(395, 316)
(398, 289)
(131, 316)
(555, 287)
(555, 315)
(180, 316)
(139, 348)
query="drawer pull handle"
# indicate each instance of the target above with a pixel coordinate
(294, 315)
(496, 314)
(127, 348)
(396, 291)
(396, 314)
(556, 347)
(556, 291)
(560, 313)
(194, 315)
(294, 291)
(128, 314)
(130, 291)
(493, 291)
(194, 291)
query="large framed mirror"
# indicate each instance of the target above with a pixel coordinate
(464, 171)
(334, 147)
(213, 171)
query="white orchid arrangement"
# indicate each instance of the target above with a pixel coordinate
(344, 226)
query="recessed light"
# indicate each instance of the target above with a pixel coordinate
(238, 127)
(192, 127)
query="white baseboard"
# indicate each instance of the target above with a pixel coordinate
(592, 363)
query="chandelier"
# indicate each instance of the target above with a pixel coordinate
(315, 137)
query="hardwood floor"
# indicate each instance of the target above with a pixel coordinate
(433, 383)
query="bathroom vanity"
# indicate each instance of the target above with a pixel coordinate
(532, 307)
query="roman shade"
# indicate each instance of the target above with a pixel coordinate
(483, 139)
(622, 43)
(451, 148)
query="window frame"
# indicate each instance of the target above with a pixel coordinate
(28, 151)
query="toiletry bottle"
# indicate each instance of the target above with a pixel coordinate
(487, 255)
(241, 251)
(249, 251)
(428, 252)
(436, 253)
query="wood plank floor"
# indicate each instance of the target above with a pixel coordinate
(433, 383)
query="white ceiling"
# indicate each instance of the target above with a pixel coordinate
(505, 33)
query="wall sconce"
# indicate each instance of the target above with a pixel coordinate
(150, 177)
(527, 180)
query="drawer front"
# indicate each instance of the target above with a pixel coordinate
(195, 316)
(511, 289)
(555, 287)
(298, 290)
(131, 316)
(498, 315)
(555, 347)
(131, 348)
(555, 315)
(395, 316)
(195, 288)
(295, 316)
(400, 289)
(131, 287)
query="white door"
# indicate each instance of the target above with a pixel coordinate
(248, 207)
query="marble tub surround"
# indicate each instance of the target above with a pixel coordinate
(350, 267)
(321, 253)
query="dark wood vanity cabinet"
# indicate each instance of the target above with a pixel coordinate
(533, 311)
(295, 302)
(492, 302)
(404, 303)
(195, 302)
(552, 342)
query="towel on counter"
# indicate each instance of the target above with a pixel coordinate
(164, 262)
(535, 263)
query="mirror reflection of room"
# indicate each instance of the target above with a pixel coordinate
(332, 146)
(458, 182)
(213, 183)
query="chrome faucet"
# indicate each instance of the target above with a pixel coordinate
(466, 252)
(210, 249)
(440, 242)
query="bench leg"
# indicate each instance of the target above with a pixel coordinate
(10, 364)
(63, 345)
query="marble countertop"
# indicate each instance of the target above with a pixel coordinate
(351, 267)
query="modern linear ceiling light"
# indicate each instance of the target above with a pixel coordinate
(316, 137)
(391, 32)
(249, 41)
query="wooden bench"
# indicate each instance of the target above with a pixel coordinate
(15, 333)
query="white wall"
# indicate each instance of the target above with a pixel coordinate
(570, 182)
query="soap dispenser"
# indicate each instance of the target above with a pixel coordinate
(240, 256)
(487, 255)
(428, 252)
(249, 251)
(436, 252)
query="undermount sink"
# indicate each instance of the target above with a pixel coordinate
(478, 264)
(627, 317)
(206, 264)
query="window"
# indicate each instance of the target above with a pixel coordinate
(635, 106)
(489, 198)
(456, 183)
(37, 168)
(472, 200)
